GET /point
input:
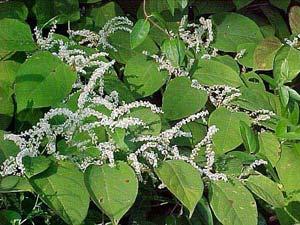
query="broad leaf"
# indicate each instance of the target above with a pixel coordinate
(231, 33)
(181, 100)
(228, 136)
(43, 80)
(266, 189)
(183, 181)
(62, 188)
(63, 11)
(249, 137)
(113, 189)
(15, 36)
(232, 203)
(286, 66)
(294, 18)
(210, 72)
(265, 52)
(35, 165)
(143, 77)
(14, 10)
(174, 50)
(269, 147)
(139, 33)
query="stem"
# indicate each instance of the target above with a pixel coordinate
(148, 17)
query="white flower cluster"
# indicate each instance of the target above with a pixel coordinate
(100, 39)
(219, 95)
(165, 64)
(86, 119)
(294, 42)
(79, 59)
(196, 35)
(257, 163)
(159, 147)
(261, 115)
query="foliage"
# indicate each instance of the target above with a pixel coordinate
(180, 112)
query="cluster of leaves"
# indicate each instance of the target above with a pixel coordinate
(258, 50)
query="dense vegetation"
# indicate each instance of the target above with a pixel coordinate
(149, 112)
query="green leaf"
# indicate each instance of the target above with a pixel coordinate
(35, 165)
(210, 72)
(253, 81)
(151, 119)
(9, 217)
(266, 189)
(183, 181)
(7, 148)
(181, 100)
(62, 188)
(15, 36)
(63, 11)
(43, 80)
(277, 21)
(113, 190)
(265, 52)
(284, 96)
(281, 4)
(8, 71)
(202, 214)
(288, 171)
(174, 50)
(143, 77)
(121, 41)
(248, 57)
(171, 4)
(228, 136)
(287, 168)
(249, 137)
(231, 32)
(139, 33)
(242, 3)
(101, 15)
(286, 66)
(294, 18)
(14, 10)
(112, 83)
(269, 147)
(6, 101)
(12, 184)
(232, 203)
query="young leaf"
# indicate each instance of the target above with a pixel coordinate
(62, 188)
(266, 189)
(286, 67)
(232, 203)
(249, 137)
(139, 33)
(284, 95)
(113, 189)
(183, 181)
(174, 50)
